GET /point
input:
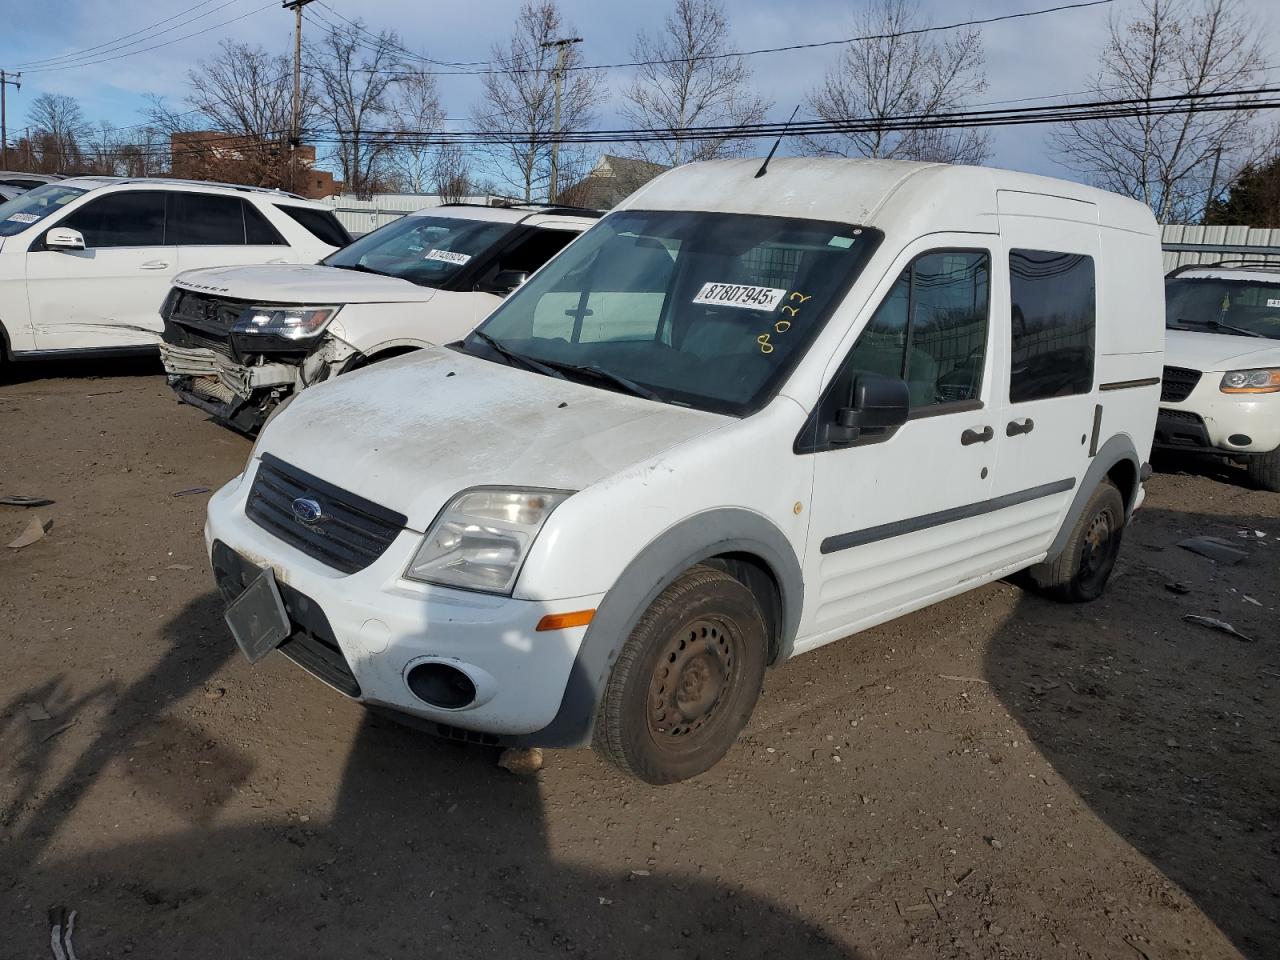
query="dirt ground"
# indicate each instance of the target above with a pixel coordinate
(996, 776)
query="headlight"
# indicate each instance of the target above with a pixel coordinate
(291, 323)
(1251, 381)
(481, 538)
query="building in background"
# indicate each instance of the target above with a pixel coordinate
(612, 181)
(228, 158)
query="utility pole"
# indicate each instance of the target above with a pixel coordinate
(562, 54)
(294, 133)
(1213, 184)
(6, 80)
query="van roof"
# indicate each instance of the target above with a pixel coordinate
(201, 186)
(898, 194)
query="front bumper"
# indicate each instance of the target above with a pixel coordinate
(241, 395)
(363, 632)
(1210, 421)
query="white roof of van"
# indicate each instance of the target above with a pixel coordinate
(899, 194)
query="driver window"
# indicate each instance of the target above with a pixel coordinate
(931, 330)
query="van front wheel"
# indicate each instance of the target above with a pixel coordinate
(686, 680)
(1080, 574)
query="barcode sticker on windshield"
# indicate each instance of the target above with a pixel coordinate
(740, 295)
(447, 256)
(24, 218)
(1270, 303)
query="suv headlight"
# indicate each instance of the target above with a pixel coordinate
(290, 323)
(479, 541)
(1251, 381)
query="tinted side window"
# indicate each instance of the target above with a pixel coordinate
(931, 330)
(1053, 317)
(535, 250)
(258, 231)
(121, 220)
(202, 219)
(321, 224)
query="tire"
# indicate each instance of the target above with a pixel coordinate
(1264, 470)
(1080, 574)
(660, 725)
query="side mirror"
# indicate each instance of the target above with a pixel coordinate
(875, 403)
(64, 238)
(504, 282)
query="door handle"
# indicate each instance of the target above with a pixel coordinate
(976, 436)
(156, 265)
(1013, 427)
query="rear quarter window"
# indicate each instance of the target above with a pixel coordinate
(321, 224)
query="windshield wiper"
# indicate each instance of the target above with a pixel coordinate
(600, 373)
(1219, 325)
(516, 358)
(358, 267)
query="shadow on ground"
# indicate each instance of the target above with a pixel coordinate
(87, 368)
(1167, 730)
(430, 850)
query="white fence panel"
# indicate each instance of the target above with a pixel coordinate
(363, 216)
(1193, 243)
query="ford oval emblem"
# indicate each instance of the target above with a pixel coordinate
(307, 511)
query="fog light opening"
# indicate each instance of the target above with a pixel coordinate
(441, 686)
(1239, 440)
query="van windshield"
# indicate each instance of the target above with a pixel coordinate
(33, 206)
(423, 250)
(709, 310)
(1249, 308)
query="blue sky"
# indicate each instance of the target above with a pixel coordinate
(1045, 55)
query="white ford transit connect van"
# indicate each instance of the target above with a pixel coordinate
(739, 418)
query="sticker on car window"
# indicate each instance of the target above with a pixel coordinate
(447, 256)
(23, 217)
(844, 243)
(1270, 303)
(740, 295)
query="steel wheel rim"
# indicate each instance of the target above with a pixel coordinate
(693, 674)
(1097, 544)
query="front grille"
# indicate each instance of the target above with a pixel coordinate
(322, 658)
(1177, 384)
(1184, 415)
(203, 311)
(351, 532)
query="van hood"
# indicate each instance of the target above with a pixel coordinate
(1219, 351)
(300, 283)
(413, 432)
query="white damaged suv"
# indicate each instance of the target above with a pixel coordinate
(241, 340)
(746, 414)
(1221, 390)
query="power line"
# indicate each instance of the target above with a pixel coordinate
(493, 66)
(133, 53)
(119, 42)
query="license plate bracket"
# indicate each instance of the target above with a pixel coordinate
(257, 617)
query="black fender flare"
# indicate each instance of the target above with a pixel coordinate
(1118, 448)
(713, 533)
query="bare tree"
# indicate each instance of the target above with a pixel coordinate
(357, 69)
(1168, 162)
(452, 177)
(685, 80)
(899, 72)
(58, 131)
(519, 99)
(417, 113)
(244, 96)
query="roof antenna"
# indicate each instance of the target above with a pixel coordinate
(764, 167)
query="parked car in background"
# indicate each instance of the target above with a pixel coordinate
(741, 417)
(1221, 391)
(240, 340)
(21, 182)
(85, 263)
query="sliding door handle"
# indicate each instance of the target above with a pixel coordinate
(976, 436)
(1013, 427)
